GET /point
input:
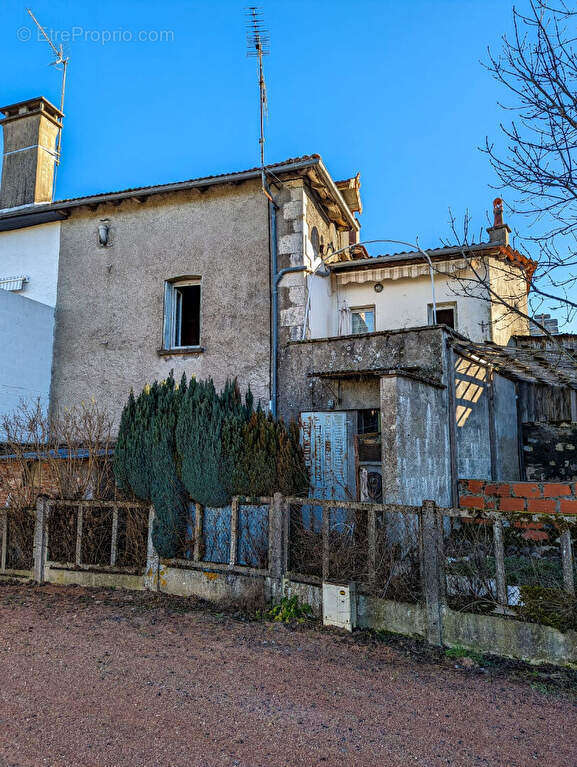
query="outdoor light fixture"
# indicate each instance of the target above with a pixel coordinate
(378, 288)
(103, 233)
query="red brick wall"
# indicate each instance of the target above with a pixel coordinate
(11, 481)
(530, 497)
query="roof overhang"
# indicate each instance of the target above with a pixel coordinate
(31, 218)
(310, 167)
(408, 258)
(556, 368)
(350, 188)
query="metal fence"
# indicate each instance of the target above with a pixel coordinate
(375, 545)
(17, 542)
(235, 536)
(510, 564)
(108, 536)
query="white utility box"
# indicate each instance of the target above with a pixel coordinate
(340, 605)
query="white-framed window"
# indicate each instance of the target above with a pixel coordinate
(362, 319)
(182, 301)
(446, 314)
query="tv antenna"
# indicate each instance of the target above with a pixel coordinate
(258, 43)
(60, 62)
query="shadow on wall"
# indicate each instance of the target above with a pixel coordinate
(470, 385)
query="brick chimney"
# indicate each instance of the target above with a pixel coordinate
(499, 232)
(30, 135)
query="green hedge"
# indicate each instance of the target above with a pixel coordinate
(185, 442)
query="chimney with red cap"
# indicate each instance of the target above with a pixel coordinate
(499, 232)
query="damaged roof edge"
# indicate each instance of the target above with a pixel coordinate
(328, 180)
(311, 161)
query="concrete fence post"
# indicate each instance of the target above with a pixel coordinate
(234, 509)
(40, 538)
(4, 525)
(152, 572)
(431, 570)
(277, 539)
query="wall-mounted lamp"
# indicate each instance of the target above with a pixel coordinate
(378, 288)
(104, 233)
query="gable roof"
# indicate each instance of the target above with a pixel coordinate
(310, 166)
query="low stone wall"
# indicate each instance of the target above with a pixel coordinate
(531, 497)
(66, 577)
(493, 634)
(213, 585)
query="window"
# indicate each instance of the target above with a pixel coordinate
(363, 320)
(446, 315)
(182, 314)
(368, 421)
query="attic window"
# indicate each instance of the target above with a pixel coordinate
(182, 314)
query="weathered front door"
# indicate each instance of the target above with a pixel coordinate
(325, 441)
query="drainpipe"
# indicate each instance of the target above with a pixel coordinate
(272, 211)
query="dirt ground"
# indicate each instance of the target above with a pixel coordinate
(100, 678)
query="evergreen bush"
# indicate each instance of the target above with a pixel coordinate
(189, 443)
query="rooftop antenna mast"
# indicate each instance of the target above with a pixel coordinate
(60, 61)
(258, 42)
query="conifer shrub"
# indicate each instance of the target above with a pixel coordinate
(187, 442)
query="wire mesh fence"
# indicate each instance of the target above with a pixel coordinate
(373, 545)
(513, 565)
(62, 529)
(253, 536)
(97, 534)
(236, 535)
(17, 540)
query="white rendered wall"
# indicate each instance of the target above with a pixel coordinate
(33, 252)
(402, 303)
(26, 339)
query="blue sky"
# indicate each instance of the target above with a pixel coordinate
(392, 89)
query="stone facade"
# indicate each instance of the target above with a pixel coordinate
(550, 451)
(300, 213)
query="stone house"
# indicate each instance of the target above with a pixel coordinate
(235, 275)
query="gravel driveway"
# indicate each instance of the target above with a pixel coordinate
(93, 677)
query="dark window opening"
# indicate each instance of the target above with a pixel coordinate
(368, 421)
(187, 315)
(446, 317)
(315, 241)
